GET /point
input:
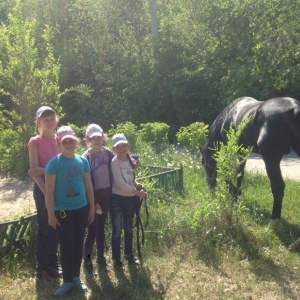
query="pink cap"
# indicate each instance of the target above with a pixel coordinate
(65, 132)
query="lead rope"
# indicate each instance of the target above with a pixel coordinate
(138, 223)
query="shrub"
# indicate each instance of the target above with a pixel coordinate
(193, 135)
(13, 155)
(156, 134)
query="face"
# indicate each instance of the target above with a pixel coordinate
(121, 150)
(96, 141)
(48, 123)
(68, 146)
(210, 167)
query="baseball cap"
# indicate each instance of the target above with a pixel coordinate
(41, 110)
(65, 132)
(119, 139)
(94, 130)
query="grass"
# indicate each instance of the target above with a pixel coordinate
(190, 251)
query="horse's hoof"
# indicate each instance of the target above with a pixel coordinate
(294, 247)
(276, 224)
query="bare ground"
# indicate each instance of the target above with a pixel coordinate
(16, 196)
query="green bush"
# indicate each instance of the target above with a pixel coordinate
(14, 159)
(156, 134)
(193, 135)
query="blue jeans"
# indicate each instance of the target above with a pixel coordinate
(121, 210)
(46, 238)
(71, 235)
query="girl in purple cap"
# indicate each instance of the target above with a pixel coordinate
(99, 158)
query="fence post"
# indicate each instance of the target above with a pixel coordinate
(180, 178)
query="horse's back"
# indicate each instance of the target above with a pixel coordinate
(278, 120)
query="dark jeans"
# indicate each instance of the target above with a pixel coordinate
(96, 230)
(46, 238)
(71, 236)
(121, 210)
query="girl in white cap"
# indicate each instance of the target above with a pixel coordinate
(70, 205)
(124, 190)
(42, 147)
(99, 158)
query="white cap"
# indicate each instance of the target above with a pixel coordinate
(94, 130)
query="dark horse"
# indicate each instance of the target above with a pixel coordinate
(273, 130)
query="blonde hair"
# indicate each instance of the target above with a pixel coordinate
(44, 114)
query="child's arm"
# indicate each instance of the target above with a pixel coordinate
(90, 195)
(50, 186)
(34, 163)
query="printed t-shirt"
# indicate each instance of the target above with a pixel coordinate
(123, 177)
(99, 163)
(69, 193)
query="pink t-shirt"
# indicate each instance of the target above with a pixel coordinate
(47, 148)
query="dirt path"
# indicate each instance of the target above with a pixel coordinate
(290, 165)
(15, 199)
(16, 196)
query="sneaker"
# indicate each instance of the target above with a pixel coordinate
(80, 284)
(101, 261)
(131, 259)
(63, 289)
(118, 265)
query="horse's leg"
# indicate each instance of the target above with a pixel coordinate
(277, 184)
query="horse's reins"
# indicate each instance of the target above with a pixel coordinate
(138, 223)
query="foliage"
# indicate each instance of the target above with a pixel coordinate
(179, 262)
(13, 155)
(28, 74)
(222, 212)
(155, 134)
(193, 136)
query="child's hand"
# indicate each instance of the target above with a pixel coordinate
(138, 186)
(91, 216)
(53, 222)
(141, 194)
(98, 209)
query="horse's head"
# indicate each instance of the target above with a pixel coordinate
(209, 165)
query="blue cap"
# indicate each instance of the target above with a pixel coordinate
(119, 139)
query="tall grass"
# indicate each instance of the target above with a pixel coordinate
(191, 255)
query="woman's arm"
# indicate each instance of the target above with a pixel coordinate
(50, 187)
(90, 195)
(34, 164)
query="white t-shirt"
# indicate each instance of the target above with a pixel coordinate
(123, 177)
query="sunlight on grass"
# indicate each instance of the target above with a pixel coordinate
(185, 257)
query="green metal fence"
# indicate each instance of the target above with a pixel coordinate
(12, 233)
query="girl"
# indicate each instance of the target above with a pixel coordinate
(124, 190)
(70, 205)
(99, 158)
(42, 148)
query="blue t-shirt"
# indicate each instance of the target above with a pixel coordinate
(69, 193)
